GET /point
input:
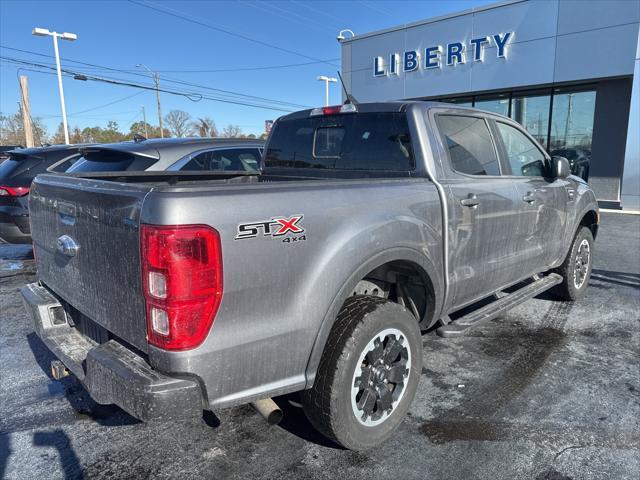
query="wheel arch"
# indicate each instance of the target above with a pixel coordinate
(421, 264)
(590, 220)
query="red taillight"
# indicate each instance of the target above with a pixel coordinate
(182, 281)
(331, 110)
(13, 191)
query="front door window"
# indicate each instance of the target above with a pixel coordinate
(525, 158)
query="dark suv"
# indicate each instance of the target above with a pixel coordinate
(179, 154)
(5, 149)
(16, 174)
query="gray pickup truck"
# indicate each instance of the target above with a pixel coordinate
(369, 224)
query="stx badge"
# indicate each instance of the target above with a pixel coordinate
(276, 227)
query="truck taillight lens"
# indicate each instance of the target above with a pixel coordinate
(182, 281)
(13, 191)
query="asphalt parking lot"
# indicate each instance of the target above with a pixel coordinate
(549, 391)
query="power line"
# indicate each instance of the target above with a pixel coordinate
(289, 15)
(247, 69)
(169, 11)
(107, 104)
(178, 81)
(317, 10)
(190, 95)
(215, 70)
(376, 8)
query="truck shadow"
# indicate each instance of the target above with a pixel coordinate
(295, 421)
(5, 452)
(616, 278)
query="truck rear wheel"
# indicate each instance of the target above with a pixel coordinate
(368, 373)
(576, 268)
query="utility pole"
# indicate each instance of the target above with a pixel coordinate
(568, 119)
(26, 112)
(156, 77)
(156, 80)
(144, 119)
(326, 81)
(43, 32)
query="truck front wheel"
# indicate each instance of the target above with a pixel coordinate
(576, 269)
(368, 373)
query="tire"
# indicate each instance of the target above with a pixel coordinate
(351, 357)
(576, 268)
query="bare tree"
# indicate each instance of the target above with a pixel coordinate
(179, 123)
(12, 130)
(232, 131)
(205, 127)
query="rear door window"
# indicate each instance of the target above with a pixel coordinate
(65, 164)
(468, 141)
(360, 141)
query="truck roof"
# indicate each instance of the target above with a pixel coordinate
(375, 107)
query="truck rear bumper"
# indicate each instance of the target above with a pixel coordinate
(110, 372)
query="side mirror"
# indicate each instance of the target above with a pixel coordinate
(560, 167)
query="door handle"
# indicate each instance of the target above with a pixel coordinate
(471, 201)
(529, 197)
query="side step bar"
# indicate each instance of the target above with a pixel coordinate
(458, 327)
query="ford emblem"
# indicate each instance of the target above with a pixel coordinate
(67, 246)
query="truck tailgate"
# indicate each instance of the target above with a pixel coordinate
(102, 278)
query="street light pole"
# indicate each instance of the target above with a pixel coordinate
(326, 81)
(156, 80)
(43, 32)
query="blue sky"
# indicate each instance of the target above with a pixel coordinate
(121, 34)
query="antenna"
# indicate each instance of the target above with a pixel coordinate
(350, 98)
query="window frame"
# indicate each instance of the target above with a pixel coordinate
(178, 164)
(315, 139)
(508, 170)
(52, 168)
(445, 148)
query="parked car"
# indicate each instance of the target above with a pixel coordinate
(172, 154)
(367, 224)
(188, 154)
(16, 175)
(5, 149)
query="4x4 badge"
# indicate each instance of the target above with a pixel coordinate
(275, 227)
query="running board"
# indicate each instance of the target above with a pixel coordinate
(458, 327)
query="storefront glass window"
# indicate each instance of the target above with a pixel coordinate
(532, 112)
(572, 129)
(495, 105)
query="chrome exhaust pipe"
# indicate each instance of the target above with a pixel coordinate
(269, 410)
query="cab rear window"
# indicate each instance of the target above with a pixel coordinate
(361, 141)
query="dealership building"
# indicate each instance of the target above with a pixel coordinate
(567, 70)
